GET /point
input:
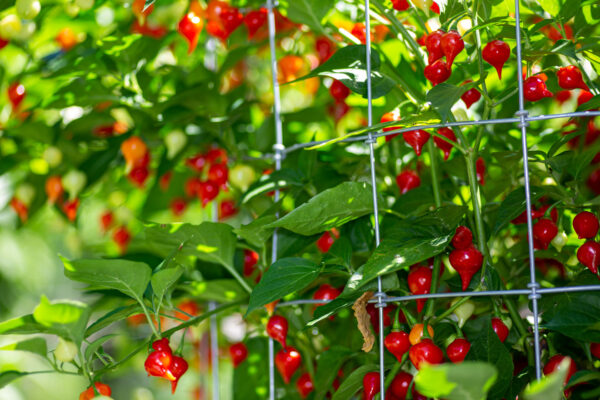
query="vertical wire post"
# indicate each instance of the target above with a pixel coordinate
(371, 141)
(522, 114)
(214, 329)
(214, 350)
(278, 156)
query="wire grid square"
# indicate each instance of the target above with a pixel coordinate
(521, 118)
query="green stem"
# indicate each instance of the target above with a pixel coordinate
(435, 278)
(435, 178)
(392, 374)
(521, 328)
(474, 20)
(481, 130)
(147, 314)
(451, 309)
(187, 324)
(474, 186)
(401, 30)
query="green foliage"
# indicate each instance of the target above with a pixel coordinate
(467, 381)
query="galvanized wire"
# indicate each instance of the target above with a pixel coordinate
(380, 295)
(214, 350)
(522, 113)
(278, 157)
(522, 118)
(451, 295)
(379, 133)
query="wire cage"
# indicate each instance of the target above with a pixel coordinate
(380, 300)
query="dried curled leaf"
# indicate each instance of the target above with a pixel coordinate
(364, 322)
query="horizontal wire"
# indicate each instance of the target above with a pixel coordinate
(484, 293)
(300, 146)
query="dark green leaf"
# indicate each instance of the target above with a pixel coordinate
(128, 277)
(353, 382)
(163, 280)
(443, 97)
(487, 347)
(348, 65)
(276, 180)
(96, 344)
(209, 241)
(513, 205)
(35, 345)
(111, 317)
(285, 276)
(465, 381)
(23, 325)
(256, 233)
(328, 365)
(250, 382)
(408, 242)
(308, 12)
(330, 208)
(221, 290)
(566, 48)
(7, 377)
(574, 315)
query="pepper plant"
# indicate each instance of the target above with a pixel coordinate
(198, 191)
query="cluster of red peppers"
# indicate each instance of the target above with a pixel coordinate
(164, 364)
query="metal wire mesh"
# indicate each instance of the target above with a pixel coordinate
(521, 119)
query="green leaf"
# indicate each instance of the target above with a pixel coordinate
(7, 377)
(513, 205)
(113, 316)
(283, 178)
(285, 276)
(592, 104)
(220, 290)
(465, 381)
(163, 280)
(353, 382)
(96, 344)
(65, 318)
(408, 242)
(348, 65)
(330, 208)
(35, 345)
(340, 253)
(566, 48)
(256, 233)
(23, 325)
(209, 241)
(550, 387)
(443, 97)
(574, 315)
(249, 379)
(128, 277)
(552, 7)
(488, 348)
(308, 12)
(328, 365)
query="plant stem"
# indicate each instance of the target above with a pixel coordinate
(187, 324)
(435, 184)
(474, 20)
(150, 322)
(485, 115)
(472, 176)
(451, 309)
(392, 374)
(402, 30)
(435, 178)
